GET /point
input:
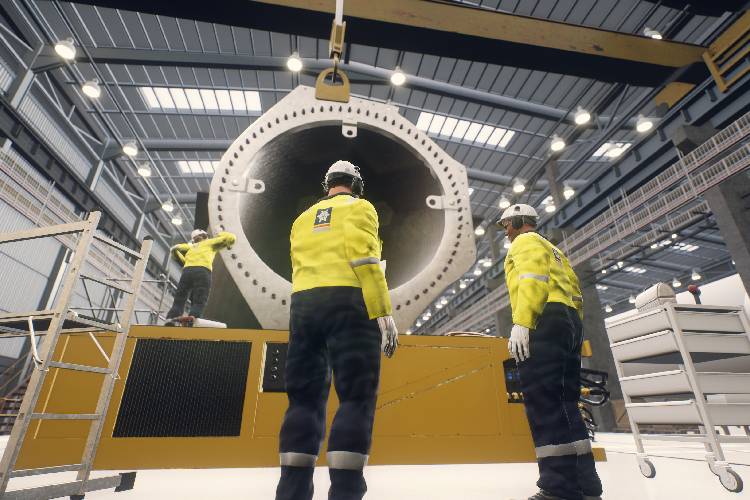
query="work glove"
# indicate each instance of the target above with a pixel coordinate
(389, 334)
(518, 345)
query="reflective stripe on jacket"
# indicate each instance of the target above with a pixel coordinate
(536, 273)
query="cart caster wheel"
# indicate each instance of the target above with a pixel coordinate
(731, 480)
(647, 468)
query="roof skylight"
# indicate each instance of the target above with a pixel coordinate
(197, 166)
(465, 130)
(611, 149)
(169, 98)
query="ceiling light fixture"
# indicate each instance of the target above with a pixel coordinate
(550, 208)
(643, 124)
(652, 33)
(487, 262)
(479, 231)
(696, 275)
(582, 117)
(130, 148)
(66, 49)
(294, 63)
(144, 170)
(676, 283)
(557, 143)
(398, 77)
(462, 285)
(167, 206)
(608, 308)
(519, 187)
(631, 299)
(92, 89)
(503, 203)
(177, 220)
(477, 272)
(568, 191)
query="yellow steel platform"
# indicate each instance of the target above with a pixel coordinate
(441, 400)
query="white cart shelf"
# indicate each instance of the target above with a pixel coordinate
(684, 336)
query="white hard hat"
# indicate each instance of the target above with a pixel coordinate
(519, 209)
(344, 167)
(197, 232)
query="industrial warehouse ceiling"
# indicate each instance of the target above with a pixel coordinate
(186, 79)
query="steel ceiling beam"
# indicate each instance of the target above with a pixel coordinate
(454, 30)
(109, 55)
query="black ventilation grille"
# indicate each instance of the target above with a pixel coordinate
(184, 388)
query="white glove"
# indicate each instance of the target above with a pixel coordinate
(389, 334)
(518, 345)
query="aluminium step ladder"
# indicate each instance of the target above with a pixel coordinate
(61, 320)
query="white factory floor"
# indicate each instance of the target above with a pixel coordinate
(680, 474)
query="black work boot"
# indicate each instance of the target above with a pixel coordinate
(347, 485)
(543, 495)
(296, 483)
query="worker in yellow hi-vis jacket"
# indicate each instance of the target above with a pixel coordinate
(546, 340)
(197, 258)
(340, 320)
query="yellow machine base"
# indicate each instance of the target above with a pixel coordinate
(441, 400)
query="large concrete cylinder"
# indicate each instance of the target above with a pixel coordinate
(273, 172)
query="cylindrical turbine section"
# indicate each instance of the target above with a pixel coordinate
(273, 172)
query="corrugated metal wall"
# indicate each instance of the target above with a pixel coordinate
(114, 202)
(29, 264)
(6, 76)
(40, 120)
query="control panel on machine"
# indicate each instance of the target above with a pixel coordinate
(512, 381)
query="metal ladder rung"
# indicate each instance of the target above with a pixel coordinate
(121, 482)
(91, 322)
(119, 246)
(80, 368)
(46, 470)
(106, 282)
(65, 416)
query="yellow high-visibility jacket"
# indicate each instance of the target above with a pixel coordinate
(202, 254)
(536, 273)
(335, 243)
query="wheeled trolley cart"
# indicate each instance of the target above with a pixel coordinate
(698, 376)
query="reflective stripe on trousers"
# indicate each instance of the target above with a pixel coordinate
(348, 460)
(580, 447)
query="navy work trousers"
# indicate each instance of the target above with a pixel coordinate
(194, 284)
(329, 332)
(550, 380)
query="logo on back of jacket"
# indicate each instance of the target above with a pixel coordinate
(322, 220)
(557, 255)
